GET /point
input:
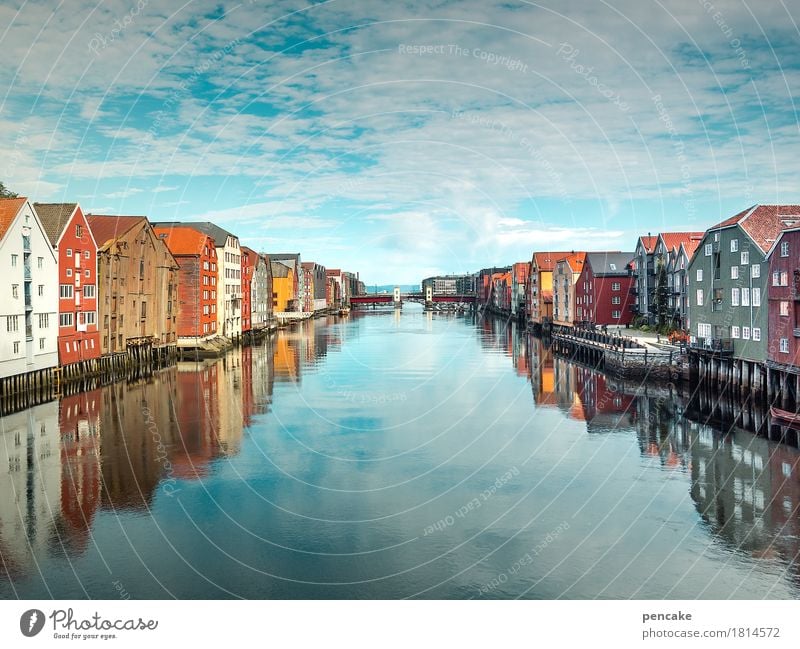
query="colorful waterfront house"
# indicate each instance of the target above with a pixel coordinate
(501, 292)
(565, 275)
(603, 293)
(783, 305)
(261, 294)
(539, 298)
(72, 240)
(292, 260)
(678, 278)
(728, 282)
(196, 255)
(335, 287)
(229, 275)
(137, 281)
(314, 286)
(669, 285)
(644, 269)
(283, 287)
(29, 304)
(519, 282)
(249, 259)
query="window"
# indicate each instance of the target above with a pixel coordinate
(86, 272)
(40, 290)
(745, 297)
(141, 269)
(734, 245)
(784, 305)
(699, 274)
(615, 299)
(703, 330)
(144, 309)
(44, 320)
(784, 248)
(734, 272)
(734, 331)
(86, 254)
(785, 345)
(616, 315)
(40, 262)
(708, 249)
(699, 297)
(69, 252)
(745, 257)
(69, 272)
(12, 323)
(14, 259)
(716, 236)
(756, 297)
(734, 297)
(65, 320)
(65, 290)
(755, 271)
(88, 290)
(89, 317)
(776, 278)
(614, 286)
(16, 347)
(746, 333)
(756, 333)
(41, 343)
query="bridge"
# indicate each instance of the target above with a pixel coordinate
(396, 298)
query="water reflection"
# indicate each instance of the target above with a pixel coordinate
(335, 455)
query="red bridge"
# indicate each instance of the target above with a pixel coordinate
(388, 298)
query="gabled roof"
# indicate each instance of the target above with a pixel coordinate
(107, 228)
(609, 263)
(673, 240)
(648, 243)
(218, 234)
(763, 223)
(546, 261)
(183, 241)
(54, 218)
(9, 208)
(252, 255)
(574, 260)
(279, 269)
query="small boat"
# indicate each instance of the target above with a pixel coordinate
(785, 417)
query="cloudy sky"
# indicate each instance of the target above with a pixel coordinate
(410, 137)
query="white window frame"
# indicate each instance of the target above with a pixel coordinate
(734, 245)
(755, 271)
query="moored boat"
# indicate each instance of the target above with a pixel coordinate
(785, 417)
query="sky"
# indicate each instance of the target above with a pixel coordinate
(408, 138)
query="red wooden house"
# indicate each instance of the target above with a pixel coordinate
(196, 255)
(71, 238)
(603, 293)
(783, 343)
(249, 263)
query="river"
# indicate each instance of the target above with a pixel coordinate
(389, 455)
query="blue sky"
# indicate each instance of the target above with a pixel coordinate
(408, 138)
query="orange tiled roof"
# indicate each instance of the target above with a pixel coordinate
(546, 261)
(108, 228)
(9, 208)
(690, 240)
(575, 260)
(182, 240)
(649, 243)
(764, 222)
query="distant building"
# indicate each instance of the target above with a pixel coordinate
(450, 284)
(315, 286)
(539, 299)
(603, 293)
(249, 260)
(261, 294)
(519, 282)
(283, 288)
(292, 261)
(29, 304)
(71, 238)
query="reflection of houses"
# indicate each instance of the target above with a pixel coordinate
(30, 486)
(605, 406)
(79, 426)
(286, 352)
(542, 372)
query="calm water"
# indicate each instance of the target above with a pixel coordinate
(390, 456)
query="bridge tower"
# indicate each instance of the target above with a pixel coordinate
(398, 303)
(429, 297)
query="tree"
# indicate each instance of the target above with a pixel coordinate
(6, 193)
(661, 296)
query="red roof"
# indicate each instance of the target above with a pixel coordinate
(108, 228)
(546, 261)
(649, 243)
(764, 222)
(690, 240)
(521, 271)
(575, 260)
(9, 208)
(184, 241)
(252, 255)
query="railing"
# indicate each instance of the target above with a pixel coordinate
(28, 275)
(28, 332)
(26, 243)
